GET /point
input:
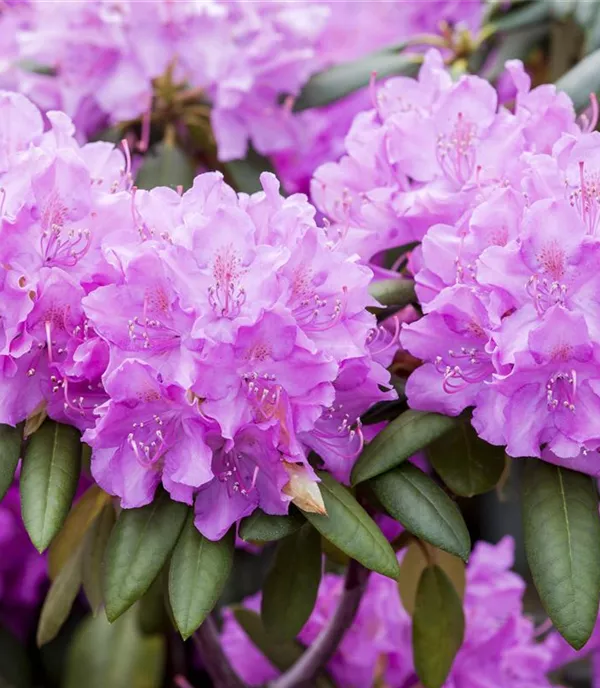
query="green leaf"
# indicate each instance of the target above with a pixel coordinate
(438, 627)
(402, 438)
(342, 79)
(51, 467)
(348, 526)
(138, 548)
(291, 588)
(281, 654)
(117, 655)
(60, 598)
(418, 556)
(10, 453)
(582, 80)
(80, 519)
(467, 464)
(153, 616)
(261, 527)
(15, 671)
(523, 18)
(393, 292)
(562, 541)
(198, 573)
(94, 546)
(245, 174)
(423, 508)
(166, 165)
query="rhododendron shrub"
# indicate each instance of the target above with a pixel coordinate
(285, 400)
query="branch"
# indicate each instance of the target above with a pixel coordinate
(306, 669)
(217, 665)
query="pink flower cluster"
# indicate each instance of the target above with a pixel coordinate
(508, 288)
(205, 341)
(427, 150)
(99, 60)
(505, 201)
(500, 642)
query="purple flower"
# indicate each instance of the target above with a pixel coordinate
(528, 254)
(22, 569)
(500, 642)
(427, 151)
(106, 59)
(205, 341)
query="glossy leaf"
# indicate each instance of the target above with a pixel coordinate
(348, 526)
(138, 548)
(403, 437)
(153, 616)
(60, 598)
(15, 671)
(468, 465)
(197, 575)
(80, 518)
(417, 557)
(261, 527)
(342, 79)
(49, 476)
(582, 80)
(290, 591)
(94, 546)
(117, 655)
(166, 165)
(438, 627)
(393, 292)
(562, 541)
(423, 508)
(10, 453)
(523, 18)
(282, 654)
(244, 174)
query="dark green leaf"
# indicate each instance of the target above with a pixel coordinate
(418, 556)
(291, 588)
(15, 671)
(10, 453)
(582, 80)
(281, 654)
(245, 174)
(402, 438)
(348, 526)
(562, 541)
(467, 464)
(438, 627)
(423, 508)
(51, 467)
(153, 614)
(94, 548)
(118, 655)
(198, 573)
(261, 527)
(393, 292)
(166, 165)
(138, 548)
(60, 598)
(342, 79)
(523, 18)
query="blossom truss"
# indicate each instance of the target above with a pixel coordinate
(500, 642)
(205, 341)
(511, 324)
(102, 62)
(505, 202)
(427, 149)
